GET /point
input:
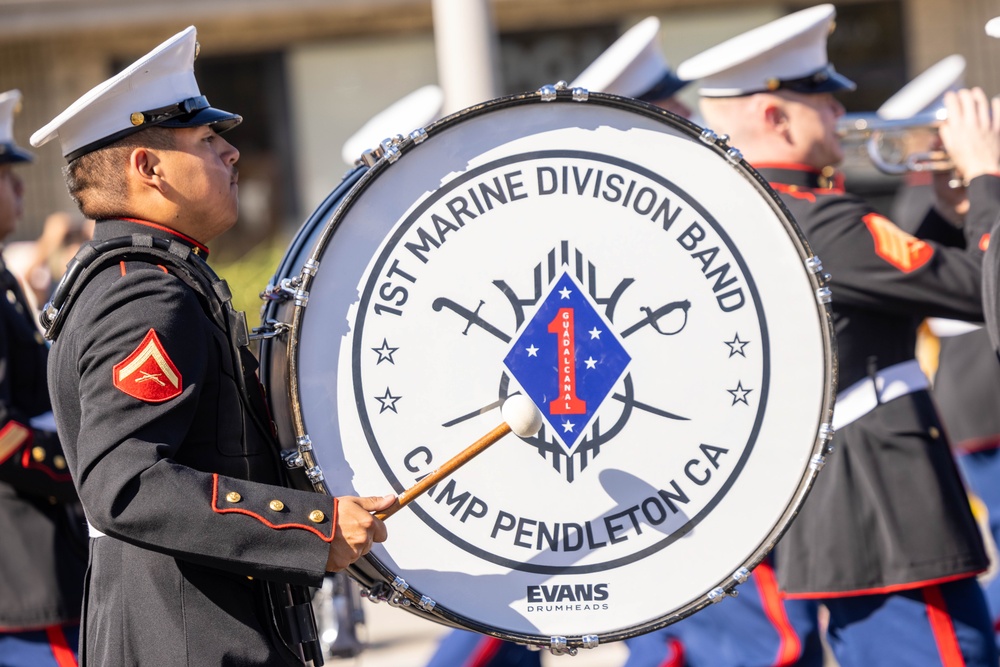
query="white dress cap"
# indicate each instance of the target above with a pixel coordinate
(419, 108)
(786, 54)
(10, 104)
(634, 66)
(157, 89)
(925, 93)
(993, 27)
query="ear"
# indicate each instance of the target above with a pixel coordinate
(145, 167)
(775, 115)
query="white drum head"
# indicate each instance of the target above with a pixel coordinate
(647, 293)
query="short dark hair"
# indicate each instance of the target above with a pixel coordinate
(96, 180)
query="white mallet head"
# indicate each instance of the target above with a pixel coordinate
(521, 415)
(993, 27)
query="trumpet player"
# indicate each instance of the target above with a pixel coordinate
(886, 540)
(966, 384)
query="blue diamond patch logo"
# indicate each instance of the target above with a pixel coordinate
(567, 359)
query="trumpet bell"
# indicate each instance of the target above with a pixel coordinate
(899, 145)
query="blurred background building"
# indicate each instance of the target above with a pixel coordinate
(307, 73)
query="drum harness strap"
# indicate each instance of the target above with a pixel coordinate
(293, 603)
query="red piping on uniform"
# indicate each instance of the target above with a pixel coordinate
(485, 650)
(28, 463)
(162, 268)
(676, 656)
(169, 231)
(984, 242)
(216, 508)
(789, 644)
(942, 627)
(121, 265)
(60, 647)
(883, 590)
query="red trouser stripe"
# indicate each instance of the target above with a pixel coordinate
(676, 656)
(942, 627)
(485, 650)
(789, 644)
(60, 647)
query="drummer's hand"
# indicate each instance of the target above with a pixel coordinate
(971, 135)
(357, 529)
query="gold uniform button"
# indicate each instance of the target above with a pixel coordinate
(316, 516)
(276, 505)
(59, 462)
(233, 497)
(934, 432)
(38, 453)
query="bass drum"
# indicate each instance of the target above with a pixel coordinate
(631, 275)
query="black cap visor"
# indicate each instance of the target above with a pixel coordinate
(10, 153)
(192, 112)
(665, 88)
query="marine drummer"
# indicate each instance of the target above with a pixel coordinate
(886, 539)
(199, 551)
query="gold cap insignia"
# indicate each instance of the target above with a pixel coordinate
(137, 118)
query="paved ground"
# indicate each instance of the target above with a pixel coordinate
(396, 638)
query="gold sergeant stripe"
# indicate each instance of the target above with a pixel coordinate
(12, 436)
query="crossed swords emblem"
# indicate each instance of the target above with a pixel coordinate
(653, 318)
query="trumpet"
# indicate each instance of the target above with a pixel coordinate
(899, 145)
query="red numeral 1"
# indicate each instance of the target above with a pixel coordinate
(568, 404)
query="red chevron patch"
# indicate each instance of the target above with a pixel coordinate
(148, 373)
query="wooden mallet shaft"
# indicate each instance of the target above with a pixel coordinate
(520, 416)
(449, 466)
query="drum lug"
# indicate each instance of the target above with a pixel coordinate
(817, 462)
(580, 94)
(559, 646)
(741, 575)
(418, 136)
(826, 432)
(426, 603)
(315, 474)
(734, 156)
(590, 641)
(824, 295)
(716, 594)
(288, 288)
(814, 264)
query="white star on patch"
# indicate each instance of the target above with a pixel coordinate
(532, 351)
(591, 362)
(564, 293)
(568, 426)
(384, 352)
(595, 333)
(739, 394)
(388, 401)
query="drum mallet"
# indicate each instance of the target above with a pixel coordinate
(519, 415)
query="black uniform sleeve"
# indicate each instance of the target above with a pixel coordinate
(31, 460)
(130, 483)
(876, 265)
